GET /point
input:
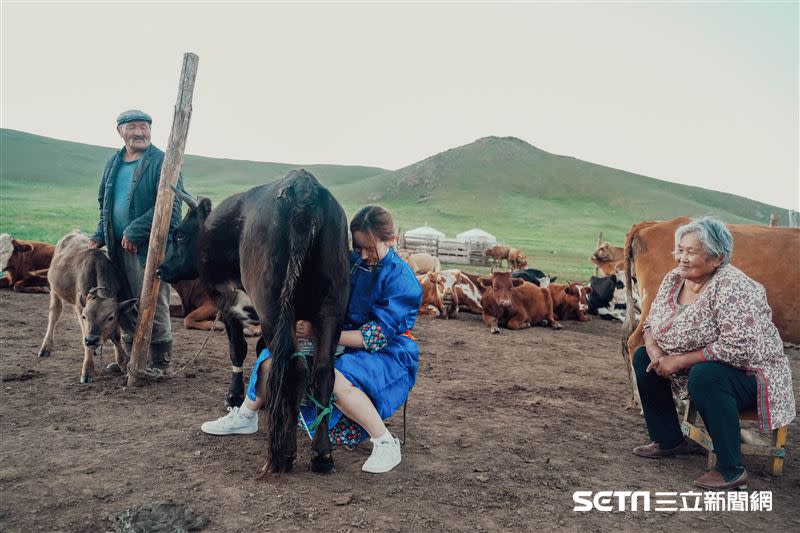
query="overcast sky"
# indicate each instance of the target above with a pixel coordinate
(698, 93)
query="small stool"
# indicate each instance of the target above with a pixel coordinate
(775, 450)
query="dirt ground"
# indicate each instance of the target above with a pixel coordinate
(502, 430)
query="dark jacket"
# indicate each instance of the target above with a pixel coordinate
(144, 189)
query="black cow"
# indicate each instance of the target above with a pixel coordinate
(285, 245)
(535, 276)
(607, 298)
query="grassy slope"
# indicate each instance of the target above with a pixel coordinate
(550, 206)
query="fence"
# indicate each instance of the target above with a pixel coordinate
(448, 250)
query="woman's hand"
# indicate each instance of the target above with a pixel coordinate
(654, 352)
(667, 365)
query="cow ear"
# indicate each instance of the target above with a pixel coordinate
(21, 247)
(587, 290)
(571, 290)
(485, 281)
(127, 305)
(204, 208)
(516, 282)
(553, 279)
(82, 300)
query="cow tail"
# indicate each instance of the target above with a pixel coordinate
(630, 307)
(284, 378)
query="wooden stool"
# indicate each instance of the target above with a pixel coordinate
(776, 450)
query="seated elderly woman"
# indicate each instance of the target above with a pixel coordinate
(710, 334)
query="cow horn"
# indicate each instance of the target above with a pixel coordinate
(186, 197)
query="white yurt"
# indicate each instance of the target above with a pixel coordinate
(425, 232)
(477, 235)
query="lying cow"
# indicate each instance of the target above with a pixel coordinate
(25, 264)
(535, 276)
(607, 299)
(437, 301)
(517, 259)
(405, 255)
(609, 258)
(569, 301)
(86, 279)
(465, 291)
(425, 263)
(198, 309)
(515, 304)
(285, 245)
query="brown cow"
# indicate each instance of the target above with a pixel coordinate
(609, 258)
(466, 292)
(86, 279)
(516, 259)
(768, 255)
(198, 309)
(497, 253)
(25, 264)
(569, 301)
(437, 301)
(515, 304)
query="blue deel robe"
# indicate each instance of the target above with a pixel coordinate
(387, 295)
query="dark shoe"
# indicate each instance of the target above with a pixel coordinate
(713, 480)
(160, 355)
(654, 451)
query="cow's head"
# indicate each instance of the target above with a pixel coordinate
(181, 260)
(433, 288)
(102, 316)
(576, 296)
(501, 284)
(603, 254)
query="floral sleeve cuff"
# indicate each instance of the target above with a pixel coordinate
(374, 339)
(708, 353)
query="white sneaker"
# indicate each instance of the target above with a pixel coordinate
(234, 423)
(385, 456)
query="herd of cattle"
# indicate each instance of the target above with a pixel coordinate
(519, 298)
(445, 292)
(523, 297)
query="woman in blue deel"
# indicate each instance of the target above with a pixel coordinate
(378, 365)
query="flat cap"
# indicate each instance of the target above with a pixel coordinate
(132, 115)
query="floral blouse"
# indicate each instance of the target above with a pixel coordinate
(731, 322)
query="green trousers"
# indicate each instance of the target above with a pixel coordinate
(718, 392)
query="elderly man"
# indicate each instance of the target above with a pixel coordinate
(127, 197)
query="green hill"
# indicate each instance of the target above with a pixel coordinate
(551, 206)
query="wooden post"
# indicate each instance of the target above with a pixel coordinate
(159, 232)
(599, 240)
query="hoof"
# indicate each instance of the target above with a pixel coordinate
(114, 368)
(233, 401)
(495, 331)
(86, 379)
(44, 353)
(556, 326)
(323, 465)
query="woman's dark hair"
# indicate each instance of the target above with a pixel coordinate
(374, 220)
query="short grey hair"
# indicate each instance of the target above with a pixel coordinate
(712, 233)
